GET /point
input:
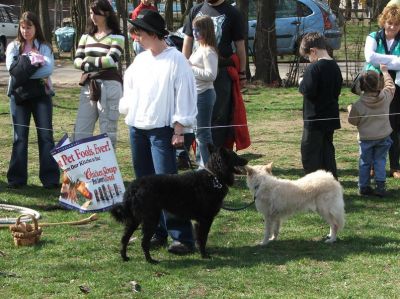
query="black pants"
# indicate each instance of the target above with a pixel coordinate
(394, 151)
(222, 111)
(317, 151)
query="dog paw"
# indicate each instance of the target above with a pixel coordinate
(330, 240)
(125, 258)
(264, 243)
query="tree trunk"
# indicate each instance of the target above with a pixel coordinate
(265, 44)
(30, 5)
(122, 14)
(79, 19)
(169, 17)
(188, 6)
(44, 19)
(243, 7)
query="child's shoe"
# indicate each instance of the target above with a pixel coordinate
(366, 191)
(380, 189)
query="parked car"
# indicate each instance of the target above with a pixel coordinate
(8, 28)
(294, 18)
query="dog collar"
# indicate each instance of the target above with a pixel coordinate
(216, 182)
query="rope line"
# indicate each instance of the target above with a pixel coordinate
(226, 126)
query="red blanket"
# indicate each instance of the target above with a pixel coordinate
(241, 136)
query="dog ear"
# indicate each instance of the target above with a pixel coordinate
(268, 167)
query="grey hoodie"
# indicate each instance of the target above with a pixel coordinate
(362, 113)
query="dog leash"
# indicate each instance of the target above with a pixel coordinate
(239, 209)
(209, 171)
(245, 206)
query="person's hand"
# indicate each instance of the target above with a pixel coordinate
(383, 68)
(177, 140)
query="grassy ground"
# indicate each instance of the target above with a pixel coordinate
(364, 263)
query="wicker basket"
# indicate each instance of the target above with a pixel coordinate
(24, 234)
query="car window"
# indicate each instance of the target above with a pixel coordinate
(291, 8)
(3, 15)
(6, 16)
(303, 10)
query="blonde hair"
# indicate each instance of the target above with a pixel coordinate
(205, 25)
(389, 13)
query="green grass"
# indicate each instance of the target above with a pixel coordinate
(364, 263)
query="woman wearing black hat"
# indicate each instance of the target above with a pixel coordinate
(160, 105)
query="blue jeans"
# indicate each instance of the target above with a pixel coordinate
(205, 104)
(373, 153)
(153, 153)
(42, 111)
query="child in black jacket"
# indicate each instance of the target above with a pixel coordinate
(320, 86)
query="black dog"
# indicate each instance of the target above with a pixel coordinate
(195, 195)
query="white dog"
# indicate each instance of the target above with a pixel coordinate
(277, 199)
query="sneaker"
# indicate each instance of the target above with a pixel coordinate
(394, 173)
(366, 191)
(157, 242)
(179, 248)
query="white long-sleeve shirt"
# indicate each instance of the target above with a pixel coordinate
(205, 67)
(159, 91)
(392, 61)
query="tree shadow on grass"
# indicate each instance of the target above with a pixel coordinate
(283, 251)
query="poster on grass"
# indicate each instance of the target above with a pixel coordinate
(91, 180)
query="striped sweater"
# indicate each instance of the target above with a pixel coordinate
(93, 55)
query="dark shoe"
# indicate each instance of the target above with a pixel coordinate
(179, 248)
(380, 189)
(52, 186)
(366, 191)
(157, 242)
(15, 186)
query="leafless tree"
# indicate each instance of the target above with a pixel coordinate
(265, 44)
(44, 19)
(30, 5)
(79, 15)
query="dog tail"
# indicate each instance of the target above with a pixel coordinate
(120, 212)
(337, 211)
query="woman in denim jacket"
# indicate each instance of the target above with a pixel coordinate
(30, 41)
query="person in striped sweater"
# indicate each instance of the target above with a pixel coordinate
(99, 51)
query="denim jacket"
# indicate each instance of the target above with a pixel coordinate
(43, 72)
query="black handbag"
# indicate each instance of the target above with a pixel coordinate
(31, 89)
(23, 88)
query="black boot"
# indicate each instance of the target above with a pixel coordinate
(380, 189)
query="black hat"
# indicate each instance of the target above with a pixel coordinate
(151, 21)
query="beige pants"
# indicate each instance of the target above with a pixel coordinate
(105, 110)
